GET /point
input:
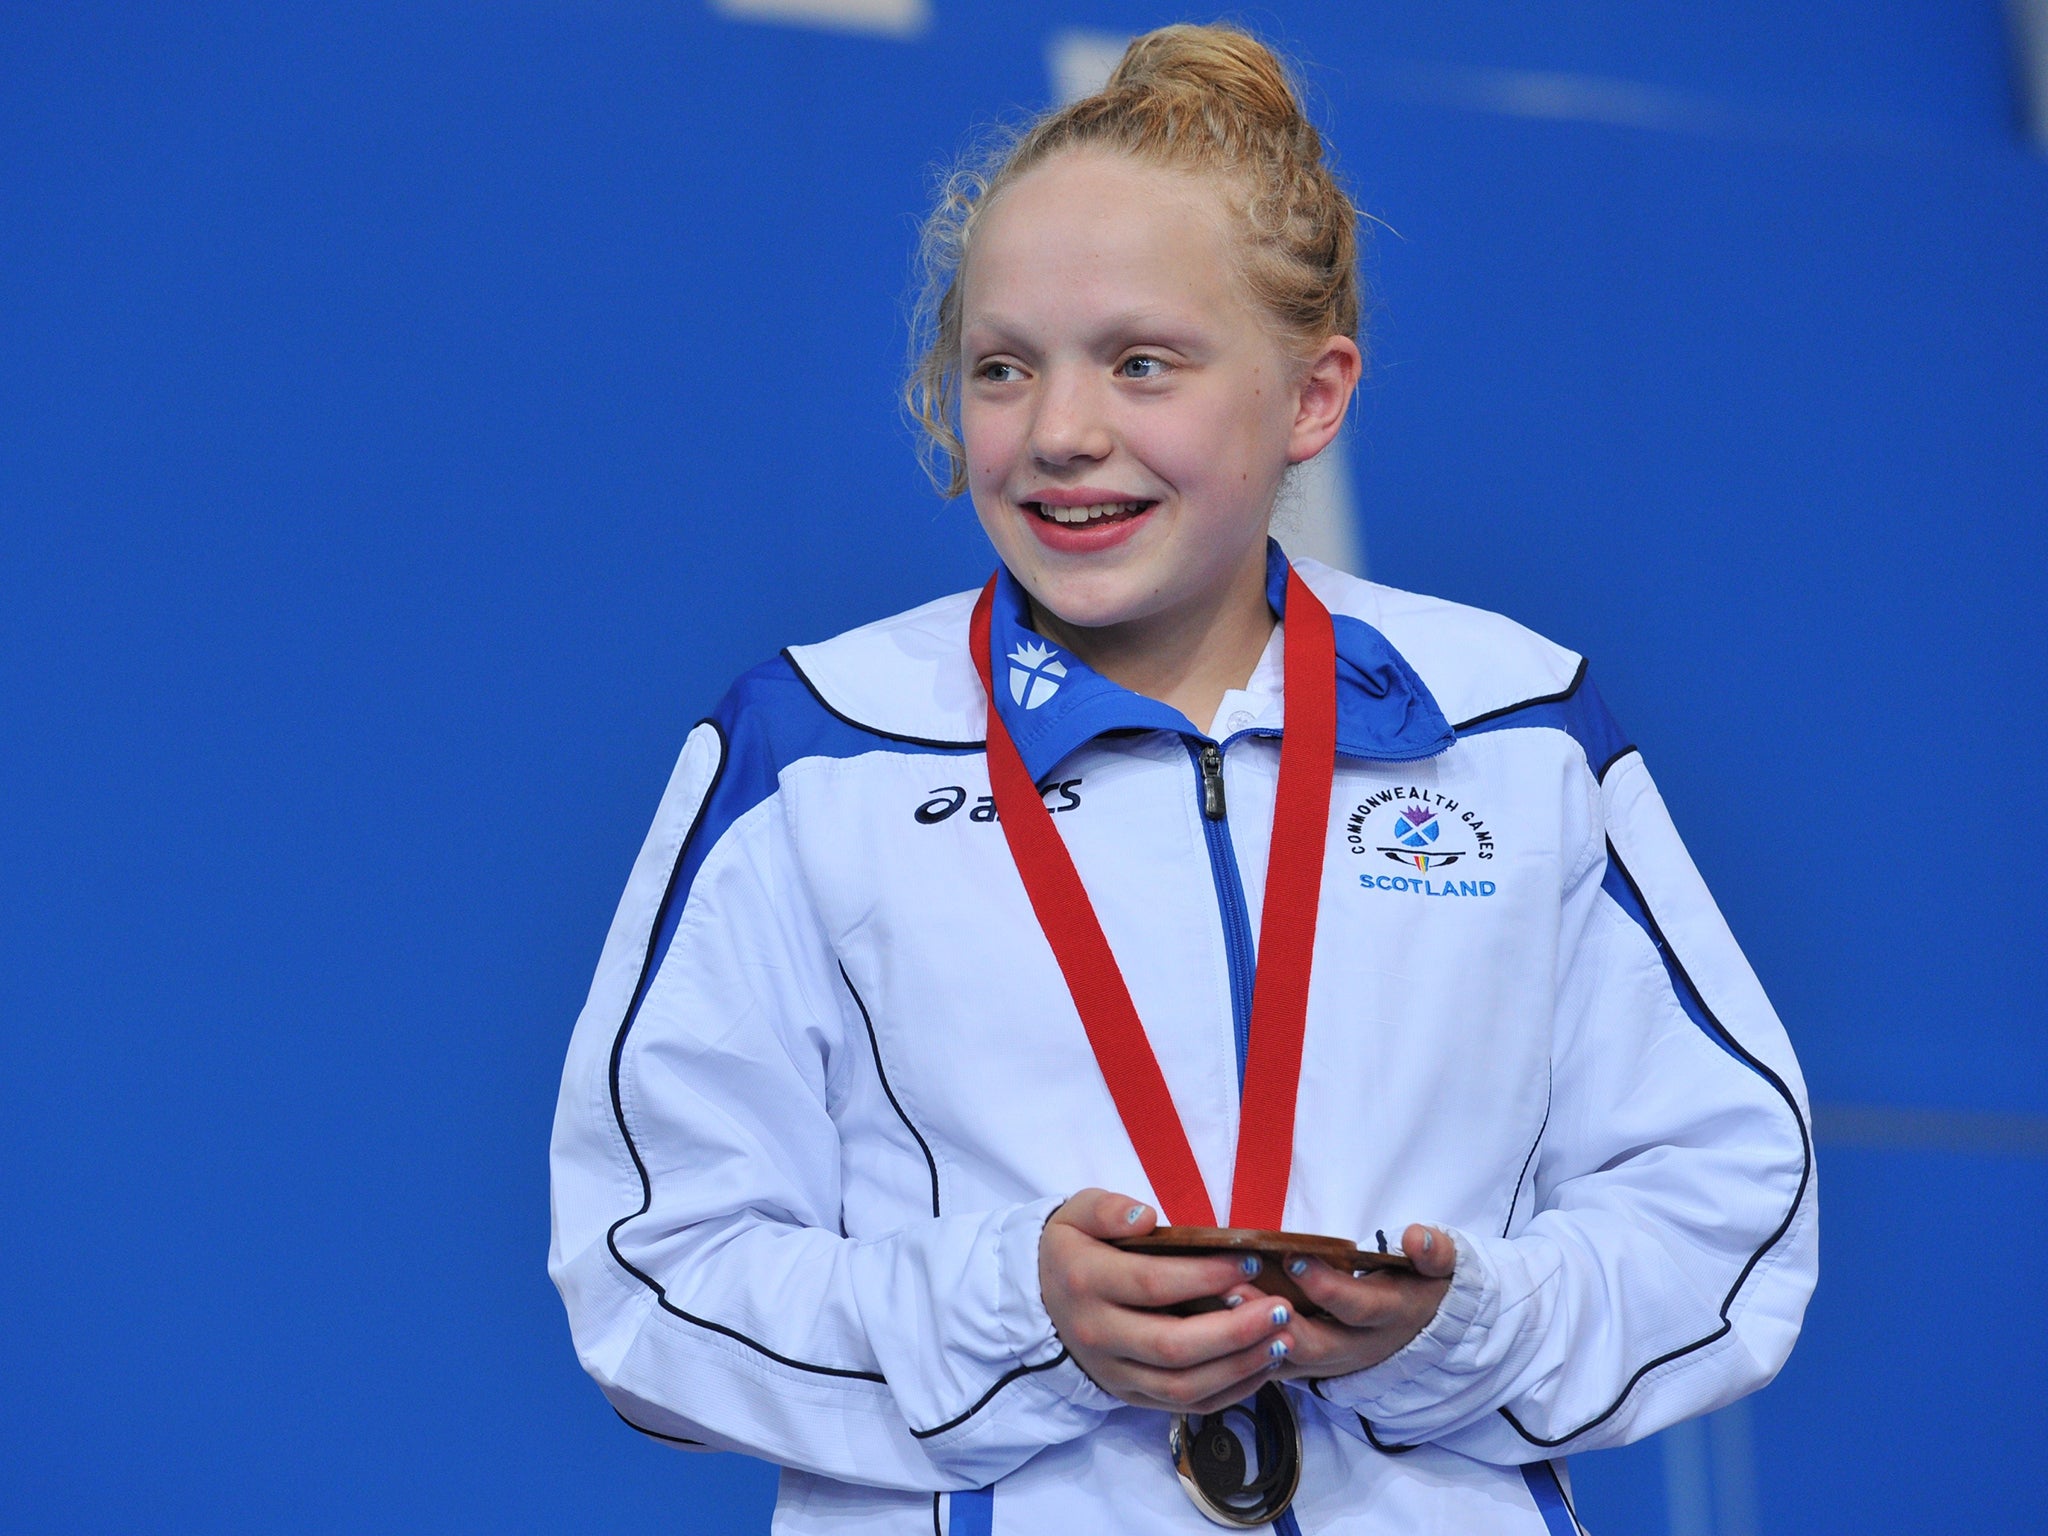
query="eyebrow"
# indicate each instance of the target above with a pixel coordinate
(1120, 327)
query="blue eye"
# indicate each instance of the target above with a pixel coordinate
(1142, 367)
(997, 373)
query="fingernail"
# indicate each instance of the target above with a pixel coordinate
(1428, 1239)
(1297, 1266)
(1279, 1317)
(1233, 1301)
(1133, 1215)
(1251, 1264)
(1277, 1349)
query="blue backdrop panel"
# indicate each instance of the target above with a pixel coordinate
(410, 417)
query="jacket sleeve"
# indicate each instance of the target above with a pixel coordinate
(697, 1234)
(1673, 1242)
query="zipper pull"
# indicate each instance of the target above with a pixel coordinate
(1212, 783)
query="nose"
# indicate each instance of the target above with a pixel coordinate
(1069, 425)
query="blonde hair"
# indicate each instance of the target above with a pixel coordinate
(1212, 100)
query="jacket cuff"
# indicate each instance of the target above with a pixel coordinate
(1429, 1367)
(1027, 1327)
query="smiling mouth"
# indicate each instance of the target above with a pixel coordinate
(1096, 512)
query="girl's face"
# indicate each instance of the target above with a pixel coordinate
(1127, 413)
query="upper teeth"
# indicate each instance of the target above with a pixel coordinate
(1087, 514)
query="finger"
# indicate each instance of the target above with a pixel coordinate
(1103, 1214)
(1143, 1280)
(1432, 1250)
(1357, 1302)
(1321, 1348)
(1101, 1331)
(1092, 1289)
(1216, 1384)
(1184, 1343)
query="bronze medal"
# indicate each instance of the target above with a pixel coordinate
(1242, 1464)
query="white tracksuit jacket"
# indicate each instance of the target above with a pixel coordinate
(829, 1082)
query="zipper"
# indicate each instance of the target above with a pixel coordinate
(1238, 949)
(1211, 762)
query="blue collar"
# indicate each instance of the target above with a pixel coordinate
(1052, 701)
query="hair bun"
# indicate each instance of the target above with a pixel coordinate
(1214, 61)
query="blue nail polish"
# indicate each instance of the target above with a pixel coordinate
(1428, 1239)
(1131, 1216)
(1279, 1317)
(1297, 1266)
(1277, 1349)
(1233, 1301)
(1251, 1264)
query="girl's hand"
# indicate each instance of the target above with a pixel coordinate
(1370, 1317)
(1102, 1303)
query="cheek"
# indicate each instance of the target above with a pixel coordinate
(988, 441)
(1245, 438)
(1202, 451)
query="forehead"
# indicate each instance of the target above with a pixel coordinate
(1085, 235)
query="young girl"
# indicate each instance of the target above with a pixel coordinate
(1163, 883)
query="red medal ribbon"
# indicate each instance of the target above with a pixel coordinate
(1287, 937)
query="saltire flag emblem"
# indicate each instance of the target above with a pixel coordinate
(1416, 829)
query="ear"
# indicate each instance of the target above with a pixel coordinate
(1323, 396)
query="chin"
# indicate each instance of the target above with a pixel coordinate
(1095, 602)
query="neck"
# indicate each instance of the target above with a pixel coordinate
(1188, 660)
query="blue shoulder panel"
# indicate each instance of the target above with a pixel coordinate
(1579, 712)
(767, 720)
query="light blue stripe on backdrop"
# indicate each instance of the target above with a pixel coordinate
(1903, 1128)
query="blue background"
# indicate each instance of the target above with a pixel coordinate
(411, 416)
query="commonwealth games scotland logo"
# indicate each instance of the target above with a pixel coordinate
(1035, 673)
(1422, 830)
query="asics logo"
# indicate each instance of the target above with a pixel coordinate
(948, 799)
